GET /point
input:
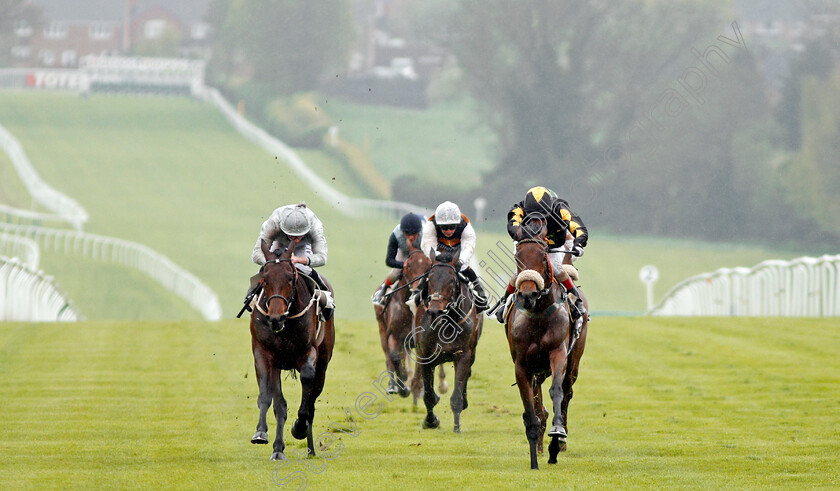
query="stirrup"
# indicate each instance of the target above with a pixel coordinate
(480, 304)
(376, 298)
(500, 314)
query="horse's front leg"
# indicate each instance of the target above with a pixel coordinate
(397, 367)
(303, 425)
(529, 417)
(429, 397)
(542, 412)
(557, 432)
(458, 401)
(279, 414)
(383, 336)
(262, 366)
(572, 367)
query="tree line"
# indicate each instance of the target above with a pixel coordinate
(651, 117)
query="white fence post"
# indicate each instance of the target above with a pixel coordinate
(28, 295)
(155, 265)
(803, 287)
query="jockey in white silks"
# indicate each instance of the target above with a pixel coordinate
(450, 231)
(297, 225)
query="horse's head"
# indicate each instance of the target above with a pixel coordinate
(414, 267)
(279, 278)
(444, 288)
(532, 268)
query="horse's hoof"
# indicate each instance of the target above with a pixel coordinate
(443, 387)
(457, 429)
(559, 432)
(392, 388)
(431, 424)
(278, 456)
(404, 392)
(260, 438)
(299, 430)
(553, 450)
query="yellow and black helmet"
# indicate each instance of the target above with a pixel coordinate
(538, 199)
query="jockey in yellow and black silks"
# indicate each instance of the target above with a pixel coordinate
(565, 235)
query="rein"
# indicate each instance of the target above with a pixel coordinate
(458, 295)
(545, 291)
(281, 297)
(409, 283)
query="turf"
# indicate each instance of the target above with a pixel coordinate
(664, 403)
(12, 191)
(443, 145)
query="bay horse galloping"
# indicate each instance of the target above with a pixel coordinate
(287, 334)
(542, 342)
(396, 319)
(448, 331)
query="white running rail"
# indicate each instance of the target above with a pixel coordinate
(803, 287)
(350, 206)
(63, 206)
(26, 250)
(137, 256)
(28, 295)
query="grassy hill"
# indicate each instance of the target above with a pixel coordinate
(442, 145)
(172, 174)
(688, 403)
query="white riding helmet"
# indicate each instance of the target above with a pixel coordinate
(448, 213)
(295, 221)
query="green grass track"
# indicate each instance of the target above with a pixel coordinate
(660, 403)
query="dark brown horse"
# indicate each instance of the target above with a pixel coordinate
(287, 334)
(396, 319)
(540, 335)
(448, 331)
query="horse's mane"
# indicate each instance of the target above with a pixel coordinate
(533, 227)
(444, 257)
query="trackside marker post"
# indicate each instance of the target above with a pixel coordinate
(648, 275)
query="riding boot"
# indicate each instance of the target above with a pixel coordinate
(328, 311)
(478, 291)
(254, 286)
(480, 296)
(248, 296)
(378, 298)
(577, 310)
(499, 308)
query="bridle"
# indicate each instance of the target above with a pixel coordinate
(419, 277)
(438, 296)
(281, 297)
(405, 275)
(547, 269)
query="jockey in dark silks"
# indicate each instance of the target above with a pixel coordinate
(449, 231)
(409, 231)
(566, 235)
